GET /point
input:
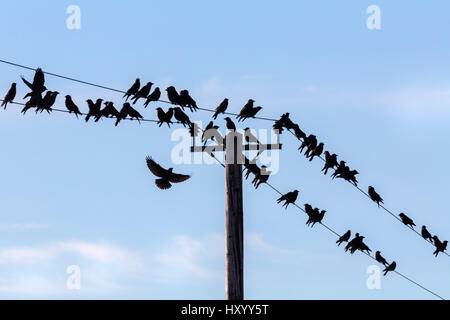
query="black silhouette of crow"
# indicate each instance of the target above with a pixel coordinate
(249, 136)
(354, 244)
(375, 196)
(440, 246)
(245, 109)
(143, 92)
(288, 198)
(330, 162)
(390, 267)
(344, 238)
(71, 106)
(187, 101)
(128, 111)
(309, 140)
(94, 109)
(33, 102)
(317, 152)
(154, 96)
(47, 102)
(251, 167)
(287, 122)
(10, 95)
(299, 134)
(407, 221)
(133, 89)
(380, 258)
(38, 83)
(181, 116)
(173, 96)
(426, 235)
(261, 177)
(315, 217)
(339, 170)
(221, 108)
(164, 117)
(166, 176)
(252, 113)
(209, 132)
(109, 111)
(312, 144)
(278, 126)
(230, 124)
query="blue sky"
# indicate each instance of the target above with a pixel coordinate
(73, 193)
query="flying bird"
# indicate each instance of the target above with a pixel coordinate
(407, 221)
(143, 92)
(288, 198)
(166, 176)
(181, 116)
(94, 109)
(380, 258)
(38, 83)
(10, 95)
(221, 108)
(154, 96)
(71, 106)
(164, 117)
(344, 238)
(187, 101)
(390, 267)
(133, 89)
(128, 111)
(426, 235)
(375, 196)
(230, 124)
(330, 162)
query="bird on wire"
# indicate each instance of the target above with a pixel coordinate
(164, 117)
(375, 196)
(440, 246)
(133, 89)
(33, 102)
(71, 106)
(407, 221)
(317, 152)
(209, 132)
(330, 162)
(109, 110)
(166, 176)
(47, 102)
(10, 95)
(186, 101)
(390, 267)
(288, 198)
(344, 238)
(221, 108)
(38, 83)
(94, 109)
(425, 234)
(380, 258)
(181, 117)
(143, 92)
(153, 97)
(173, 96)
(128, 111)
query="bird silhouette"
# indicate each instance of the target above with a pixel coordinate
(380, 258)
(181, 117)
(173, 95)
(94, 109)
(221, 108)
(164, 117)
(209, 132)
(230, 124)
(187, 101)
(440, 246)
(154, 96)
(315, 217)
(355, 243)
(143, 92)
(166, 176)
(261, 177)
(299, 134)
(250, 137)
(33, 102)
(339, 170)
(426, 235)
(10, 95)
(317, 152)
(38, 83)
(407, 221)
(133, 89)
(375, 196)
(311, 146)
(390, 267)
(309, 140)
(71, 106)
(344, 238)
(47, 102)
(109, 111)
(330, 162)
(128, 111)
(251, 167)
(288, 198)
(194, 130)
(245, 109)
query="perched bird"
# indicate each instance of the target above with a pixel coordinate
(299, 134)
(221, 108)
(287, 122)
(349, 175)
(309, 140)
(311, 146)
(249, 137)
(133, 89)
(252, 113)
(35, 100)
(154, 96)
(164, 117)
(316, 217)
(375, 196)
(128, 111)
(426, 235)
(317, 152)
(354, 244)
(344, 238)
(380, 258)
(330, 162)
(10, 95)
(181, 116)
(230, 124)
(209, 132)
(251, 167)
(390, 267)
(109, 111)
(407, 221)
(143, 92)
(187, 101)
(288, 198)
(94, 109)
(440, 246)
(38, 83)
(47, 102)
(245, 109)
(278, 126)
(173, 95)
(261, 177)
(166, 176)
(339, 170)
(71, 106)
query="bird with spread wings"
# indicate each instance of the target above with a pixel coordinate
(166, 175)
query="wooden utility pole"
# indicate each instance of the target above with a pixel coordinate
(234, 215)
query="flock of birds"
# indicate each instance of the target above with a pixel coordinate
(181, 102)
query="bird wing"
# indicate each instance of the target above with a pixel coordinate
(177, 178)
(155, 168)
(29, 85)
